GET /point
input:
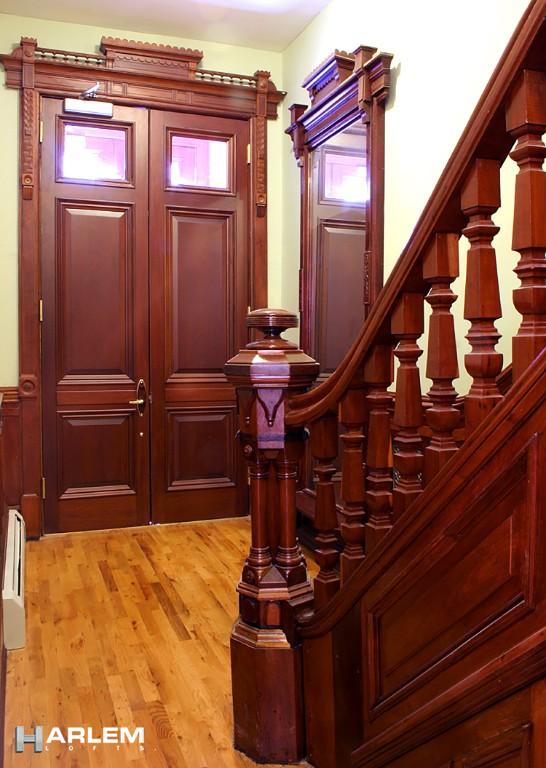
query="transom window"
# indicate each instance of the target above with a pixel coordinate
(94, 152)
(199, 162)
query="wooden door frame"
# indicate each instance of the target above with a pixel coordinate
(133, 74)
(344, 88)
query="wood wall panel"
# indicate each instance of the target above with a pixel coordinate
(202, 449)
(340, 290)
(12, 470)
(95, 263)
(201, 254)
(95, 454)
(441, 614)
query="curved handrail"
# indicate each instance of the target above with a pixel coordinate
(439, 215)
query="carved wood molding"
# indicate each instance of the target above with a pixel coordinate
(343, 89)
(127, 73)
(135, 73)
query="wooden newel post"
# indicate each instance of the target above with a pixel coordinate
(265, 659)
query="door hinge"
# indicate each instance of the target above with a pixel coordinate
(41, 137)
(41, 310)
(248, 153)
(43, 488)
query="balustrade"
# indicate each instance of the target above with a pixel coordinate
(393, 443)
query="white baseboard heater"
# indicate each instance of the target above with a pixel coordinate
(13, 591)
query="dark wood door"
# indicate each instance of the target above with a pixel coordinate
(338, 299)
(95, 340)
(199, 246)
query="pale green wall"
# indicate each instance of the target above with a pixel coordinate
(444, 53)
(77, 37)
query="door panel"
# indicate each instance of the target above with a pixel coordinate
(94, 238)
(338, 235)
(199, 297)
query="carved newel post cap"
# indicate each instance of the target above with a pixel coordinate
(272, 322)
(272, 361)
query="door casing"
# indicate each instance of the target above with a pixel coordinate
(128, 73)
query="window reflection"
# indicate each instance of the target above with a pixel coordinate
(94, 152)
(197, 162)
(345, 176)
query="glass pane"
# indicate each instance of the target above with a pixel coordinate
(199, 162)
(95, 153)
(345, 176)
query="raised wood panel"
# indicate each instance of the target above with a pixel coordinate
(441, 613)
(12, 479)
(201, 448)
(507, 750)
(95, 330)
(95, 454)
(341, 288)
(201, 266)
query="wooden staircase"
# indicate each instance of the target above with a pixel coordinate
(424, 642)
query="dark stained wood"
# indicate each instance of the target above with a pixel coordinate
(133, 74)
(480, 198)
(407, 444)
(378, 376)
(448, 604)
(339, 277)
(12, 470)
(440, 268)
(198, 282)
(488, 505)
(526, 121)
(274, 586)
(324, 444)
(95, 338)
(352, 416)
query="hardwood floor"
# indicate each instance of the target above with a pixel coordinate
(130, 628)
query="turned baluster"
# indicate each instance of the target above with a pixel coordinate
(480, 198)
(526, 122)
(324, 445)
(352, 416)
(407, 324)
(440, 268)
(378, 376)
(274, 587)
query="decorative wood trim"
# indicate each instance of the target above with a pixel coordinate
(130, 73)
(344, 88)
(11, 466)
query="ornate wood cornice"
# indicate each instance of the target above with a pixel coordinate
(132, 72)
(339, 94)
(155, 58)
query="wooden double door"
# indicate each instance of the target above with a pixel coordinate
(145, 264)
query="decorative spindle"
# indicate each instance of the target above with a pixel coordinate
(407, 326)
(440, 268)
(324, 446)
(378, 376)
(352, 415)
(274, 588)
(480, 198)
(526, 122)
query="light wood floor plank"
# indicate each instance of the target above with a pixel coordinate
(131, 628)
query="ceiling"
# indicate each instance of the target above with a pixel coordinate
(266, 24)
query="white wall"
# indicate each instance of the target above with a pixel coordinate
(444, 53)
(77, 37)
